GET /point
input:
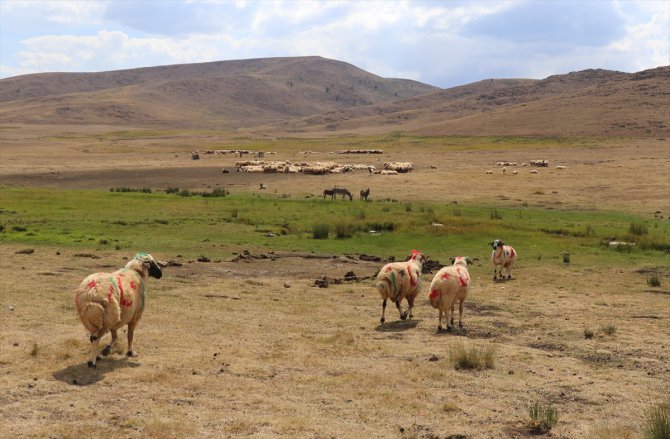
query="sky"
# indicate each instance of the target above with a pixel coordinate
(442, 43)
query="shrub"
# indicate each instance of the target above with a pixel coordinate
(588, 334)
(473, 357)
(172, 190)
(657, 422)
(608, 329)
(654, 280)
(215, 193)
(542, 417)
(320, 231)
(185, 193)
(638, 229)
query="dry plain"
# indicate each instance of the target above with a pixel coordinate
(253, 349)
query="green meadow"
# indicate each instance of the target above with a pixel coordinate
(171, 224)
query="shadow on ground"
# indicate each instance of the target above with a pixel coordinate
(82, 375)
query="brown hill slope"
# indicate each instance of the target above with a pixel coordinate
(590, 102)
(233, 93)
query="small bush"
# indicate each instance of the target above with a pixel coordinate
(185, 193)
(542, 417)
(638, 229)
(320, 231)
(473, 357)
(657, 422)
(172, 190)
(588, 334)
(408, 207)
(608, 329)
(654, 280)
(215, 193)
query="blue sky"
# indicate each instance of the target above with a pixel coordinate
(443, 43)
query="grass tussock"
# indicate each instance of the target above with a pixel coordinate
(657, 422)
(320, 231)
(543, 417)
(654, 280)
(609, 329)
(477, 357)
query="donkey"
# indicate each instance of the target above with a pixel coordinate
(364, 194)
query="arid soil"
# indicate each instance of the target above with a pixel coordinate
(253, 349)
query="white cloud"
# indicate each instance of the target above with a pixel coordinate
(444, 43)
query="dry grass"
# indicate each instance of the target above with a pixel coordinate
(223, 352)
(226, 350)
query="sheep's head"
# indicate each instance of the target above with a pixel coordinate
(497, 243)
(149, 265)
(463, 260)
(418, 257)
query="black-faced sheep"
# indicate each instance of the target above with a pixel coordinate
(108, 301)
(450, 285)
(502, 256)
(401, 280)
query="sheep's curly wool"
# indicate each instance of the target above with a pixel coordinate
(450, 285)
(401, 280)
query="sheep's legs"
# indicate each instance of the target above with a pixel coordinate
(439, 324)
(450, 318)
(108, 349)
(382, 320)
(131, 329)
(403, 315)
(93, 353)
(410, 300)
(460, 314)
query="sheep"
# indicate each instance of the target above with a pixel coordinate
(489, 172)
(108, 301)
(387, 172)
(399, 166)
(401, 280)
(450, 285)
(502, 256)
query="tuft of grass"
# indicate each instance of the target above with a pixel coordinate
(608, 329)
(320, 231)
(588, 333)
(35, 350)
(657, 422)
(543, 417)
(343, 229)
(495, 215)
(638, 229)
(450, 406)
(607, 431)
(471, 357)
(654, 280)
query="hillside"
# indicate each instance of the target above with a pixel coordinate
(229, 93)
(318, 96)
(590, 102)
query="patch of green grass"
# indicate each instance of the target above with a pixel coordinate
(165, 223)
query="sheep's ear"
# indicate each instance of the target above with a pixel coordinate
(451, 261)
(491, 243)
(468, 260)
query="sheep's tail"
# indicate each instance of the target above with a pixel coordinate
(388, 286)
(92, 315)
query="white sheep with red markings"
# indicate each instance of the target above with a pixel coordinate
(106, 302)
(503, 257)
(401, 280)
(450, 285)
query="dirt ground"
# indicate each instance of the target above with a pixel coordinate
(253, 349)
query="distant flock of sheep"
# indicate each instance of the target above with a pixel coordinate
(105, 302)
(318, 168)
